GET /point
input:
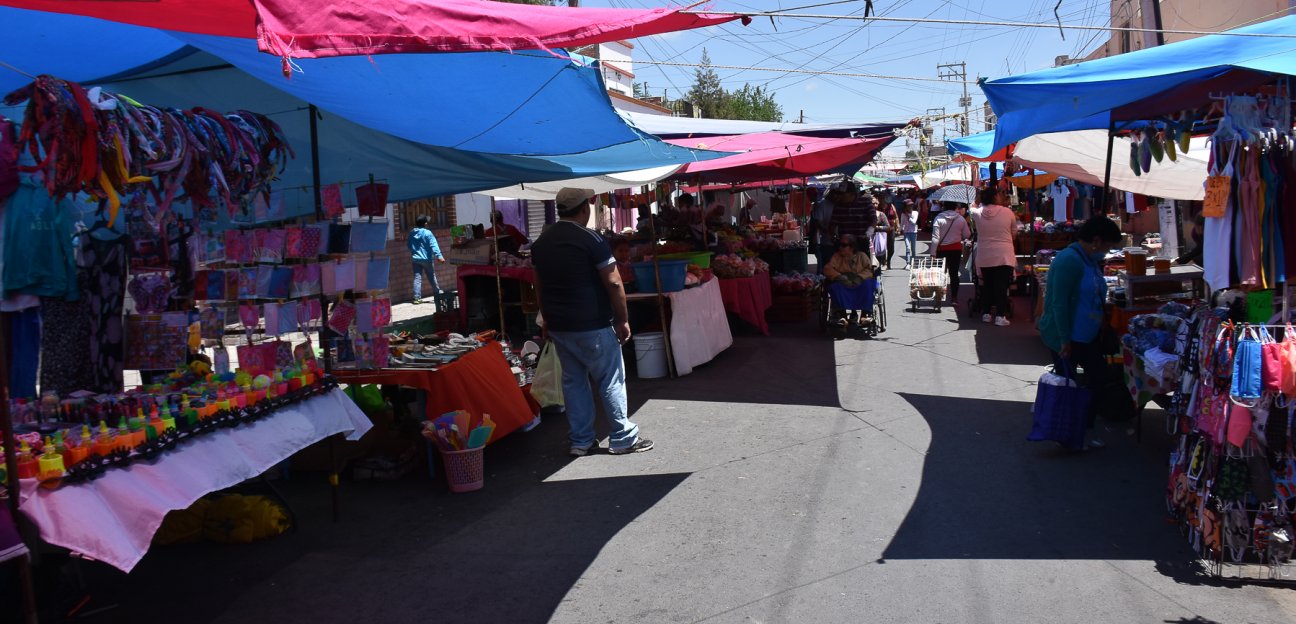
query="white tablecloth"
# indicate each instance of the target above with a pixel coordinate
(699, 328)
(113, 518)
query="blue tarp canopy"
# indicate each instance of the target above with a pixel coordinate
(979, 145)
(1139, 85)
(430, 124)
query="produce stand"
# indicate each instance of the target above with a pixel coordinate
(749, 298)
(696, 322)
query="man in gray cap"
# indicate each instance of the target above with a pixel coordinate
(583, 304)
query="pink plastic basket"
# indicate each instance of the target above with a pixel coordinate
(464, 470)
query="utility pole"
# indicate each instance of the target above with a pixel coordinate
(802, 116)
(958, 71)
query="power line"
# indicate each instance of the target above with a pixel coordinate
(803, 71)
(921, 20)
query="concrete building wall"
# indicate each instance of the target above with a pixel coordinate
(1200, 15)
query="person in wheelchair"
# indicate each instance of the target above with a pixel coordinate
(851, 284)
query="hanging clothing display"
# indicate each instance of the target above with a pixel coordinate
(105, 262)
(1059, 194)
(1250, 160)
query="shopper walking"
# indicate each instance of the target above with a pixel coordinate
(1073, 304)
(821, 238)
(425, 254)
(888, 208)
(950, 234)
(583, 304)
(909, 229)
(996, 258)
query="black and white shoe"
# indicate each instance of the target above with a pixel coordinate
(640, 445)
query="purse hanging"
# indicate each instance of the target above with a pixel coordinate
(1246, 387)
(1270, 362)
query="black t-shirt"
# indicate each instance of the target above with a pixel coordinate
(568, 259)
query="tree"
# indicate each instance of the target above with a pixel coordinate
(707, 93)
(753, 103)
(638, 90)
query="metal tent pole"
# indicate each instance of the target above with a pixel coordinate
(661, 302)
(499, 280)
(335, 493)
(1111, 143)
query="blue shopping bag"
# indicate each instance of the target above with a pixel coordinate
(1061, 410)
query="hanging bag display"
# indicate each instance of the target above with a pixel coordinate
(1270, 363)
(1287, 362)
(1246, 387)
(1061, 410)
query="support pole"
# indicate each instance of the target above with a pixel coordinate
(319, 216)
(661, 302)
(335, 494)
(499, 280)
(1111, 143)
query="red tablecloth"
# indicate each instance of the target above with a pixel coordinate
(485, 270)
(749, 298)
(480, 382)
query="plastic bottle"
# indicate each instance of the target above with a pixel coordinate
(50, 463)
(27, 466)
(105, 443)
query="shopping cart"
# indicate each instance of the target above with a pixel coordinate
(928, 282)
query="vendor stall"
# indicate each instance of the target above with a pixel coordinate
(113, 518)
(749, 298)
(698, 326)
(480, 382)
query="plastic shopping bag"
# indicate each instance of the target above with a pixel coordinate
(1061, 411)
(546, 387)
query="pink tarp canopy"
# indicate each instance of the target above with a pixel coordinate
(775, 156)
(313, 29)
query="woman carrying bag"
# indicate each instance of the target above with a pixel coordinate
(1073, 306)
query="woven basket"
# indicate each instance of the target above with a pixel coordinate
(464, 470)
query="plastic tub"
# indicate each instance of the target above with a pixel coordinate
(672, 276)
(700, 258)
(650, 355)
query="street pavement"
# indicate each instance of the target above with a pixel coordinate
(796, 478)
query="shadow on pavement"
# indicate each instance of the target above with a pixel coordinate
(986, 493)
(403, 551)
(794, 365)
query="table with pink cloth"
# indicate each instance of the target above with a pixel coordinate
(749, 298)
(699, 327)
(113, 518)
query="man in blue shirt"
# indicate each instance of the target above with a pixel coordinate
(583, 304)
(425, 252)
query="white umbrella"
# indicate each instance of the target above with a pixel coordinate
(961, 193)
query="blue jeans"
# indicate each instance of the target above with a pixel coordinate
(911, 246)
(427, 267)
(594, 355)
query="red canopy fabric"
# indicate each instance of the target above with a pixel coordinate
(313, 29)
(775, 156)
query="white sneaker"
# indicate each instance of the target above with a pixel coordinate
(1001, 321)
(985, 318)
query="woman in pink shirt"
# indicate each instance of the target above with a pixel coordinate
(996, 258)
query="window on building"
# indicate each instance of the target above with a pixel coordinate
(439, 211)
(1125, 38)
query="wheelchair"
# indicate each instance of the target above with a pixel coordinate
(871, 322)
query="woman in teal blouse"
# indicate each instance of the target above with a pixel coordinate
(1073, 303)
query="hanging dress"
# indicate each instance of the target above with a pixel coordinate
(1275, 249)
(105, 270)
(1248, 238)
(1217, 233)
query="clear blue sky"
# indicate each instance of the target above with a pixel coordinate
(901, 49)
